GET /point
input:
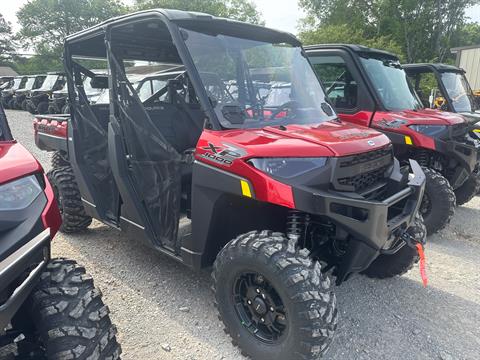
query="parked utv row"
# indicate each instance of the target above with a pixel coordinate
(233, 158)
(369, 87)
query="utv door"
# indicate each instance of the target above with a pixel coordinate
(344, 85)
(146, 167)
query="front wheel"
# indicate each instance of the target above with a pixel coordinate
(387, 266)
(273, 299)
(438, 203)
(469, 188)
(71, 319)
(42, 108)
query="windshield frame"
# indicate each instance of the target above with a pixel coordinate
(200, 86)
(378, 97)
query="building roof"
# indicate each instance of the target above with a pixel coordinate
(460, 48)
(7, 71)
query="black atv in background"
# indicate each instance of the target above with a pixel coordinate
(20, 96)
(38, 100)
(9, 91)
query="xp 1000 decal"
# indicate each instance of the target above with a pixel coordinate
(224, 154)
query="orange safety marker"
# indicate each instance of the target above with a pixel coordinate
(423, 272)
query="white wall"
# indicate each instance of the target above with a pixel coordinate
(470, 62)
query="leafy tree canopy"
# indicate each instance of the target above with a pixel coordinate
(421, 30)
(6, 44)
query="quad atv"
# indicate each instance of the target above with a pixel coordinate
(278, 204)
(369, 87)
(9, 91)
(37, 100)
(21, 95)
(49, 308)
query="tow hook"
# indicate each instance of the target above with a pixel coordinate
(413, 243)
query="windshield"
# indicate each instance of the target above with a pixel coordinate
(235, 72)
(49, 82)
(459, 91)
(391, 84)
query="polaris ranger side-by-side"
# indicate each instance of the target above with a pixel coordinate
(38, 99)
(7, 93)
(369, 87)
(21, 95)
(49, 308)
(275, 202)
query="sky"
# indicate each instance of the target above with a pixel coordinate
(278, 14)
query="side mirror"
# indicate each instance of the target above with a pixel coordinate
(99, 82)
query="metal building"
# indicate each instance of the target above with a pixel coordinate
(468, 58)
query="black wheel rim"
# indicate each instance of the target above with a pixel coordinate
(259, 307)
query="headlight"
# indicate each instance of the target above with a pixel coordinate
(19, 194)
(429, 130)
(287, 167)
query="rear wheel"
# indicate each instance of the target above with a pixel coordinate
(69, 315)
(469, 189)
(273, 298)
(59, 159)
(74, 218)
(42, 108)
(387, 266)
(438, 203)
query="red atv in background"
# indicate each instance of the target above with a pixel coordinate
(49, 308)
(369, 87)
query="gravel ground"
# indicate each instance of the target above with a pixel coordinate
(164, 310)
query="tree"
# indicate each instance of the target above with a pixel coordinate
(6, 43)
(45, 23)
(243, 10)
(424, 30)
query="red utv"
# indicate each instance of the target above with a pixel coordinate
(276, 204)
(49, 308)
(369, 87)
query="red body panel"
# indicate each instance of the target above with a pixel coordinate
(403, 119)
(16, 162)
(328, 139)
(52, 126)
(51, 214)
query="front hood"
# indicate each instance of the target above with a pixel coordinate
(16, 161)
(325, 139)
(423, 116)
(22, 92)
(472, 117)
(39, 92)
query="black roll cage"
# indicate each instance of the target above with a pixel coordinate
(437, 70)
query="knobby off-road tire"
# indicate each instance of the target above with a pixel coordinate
(74, 218)
(387, 266)
(439, 202)
(42, 108)
(59, 159)
(469, 189)
(291, 276)
(70, 316)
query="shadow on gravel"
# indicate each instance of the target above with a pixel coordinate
(388, 319)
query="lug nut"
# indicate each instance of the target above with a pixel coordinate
(272, 309)
(249, 302)
(258, 291)
(262, 320)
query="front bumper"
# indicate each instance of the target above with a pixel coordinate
(374, 226)
(19, 273)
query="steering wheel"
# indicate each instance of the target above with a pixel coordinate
(292, 104)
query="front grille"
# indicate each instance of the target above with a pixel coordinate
(363, 171)
(363, 181)
(365, 157)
